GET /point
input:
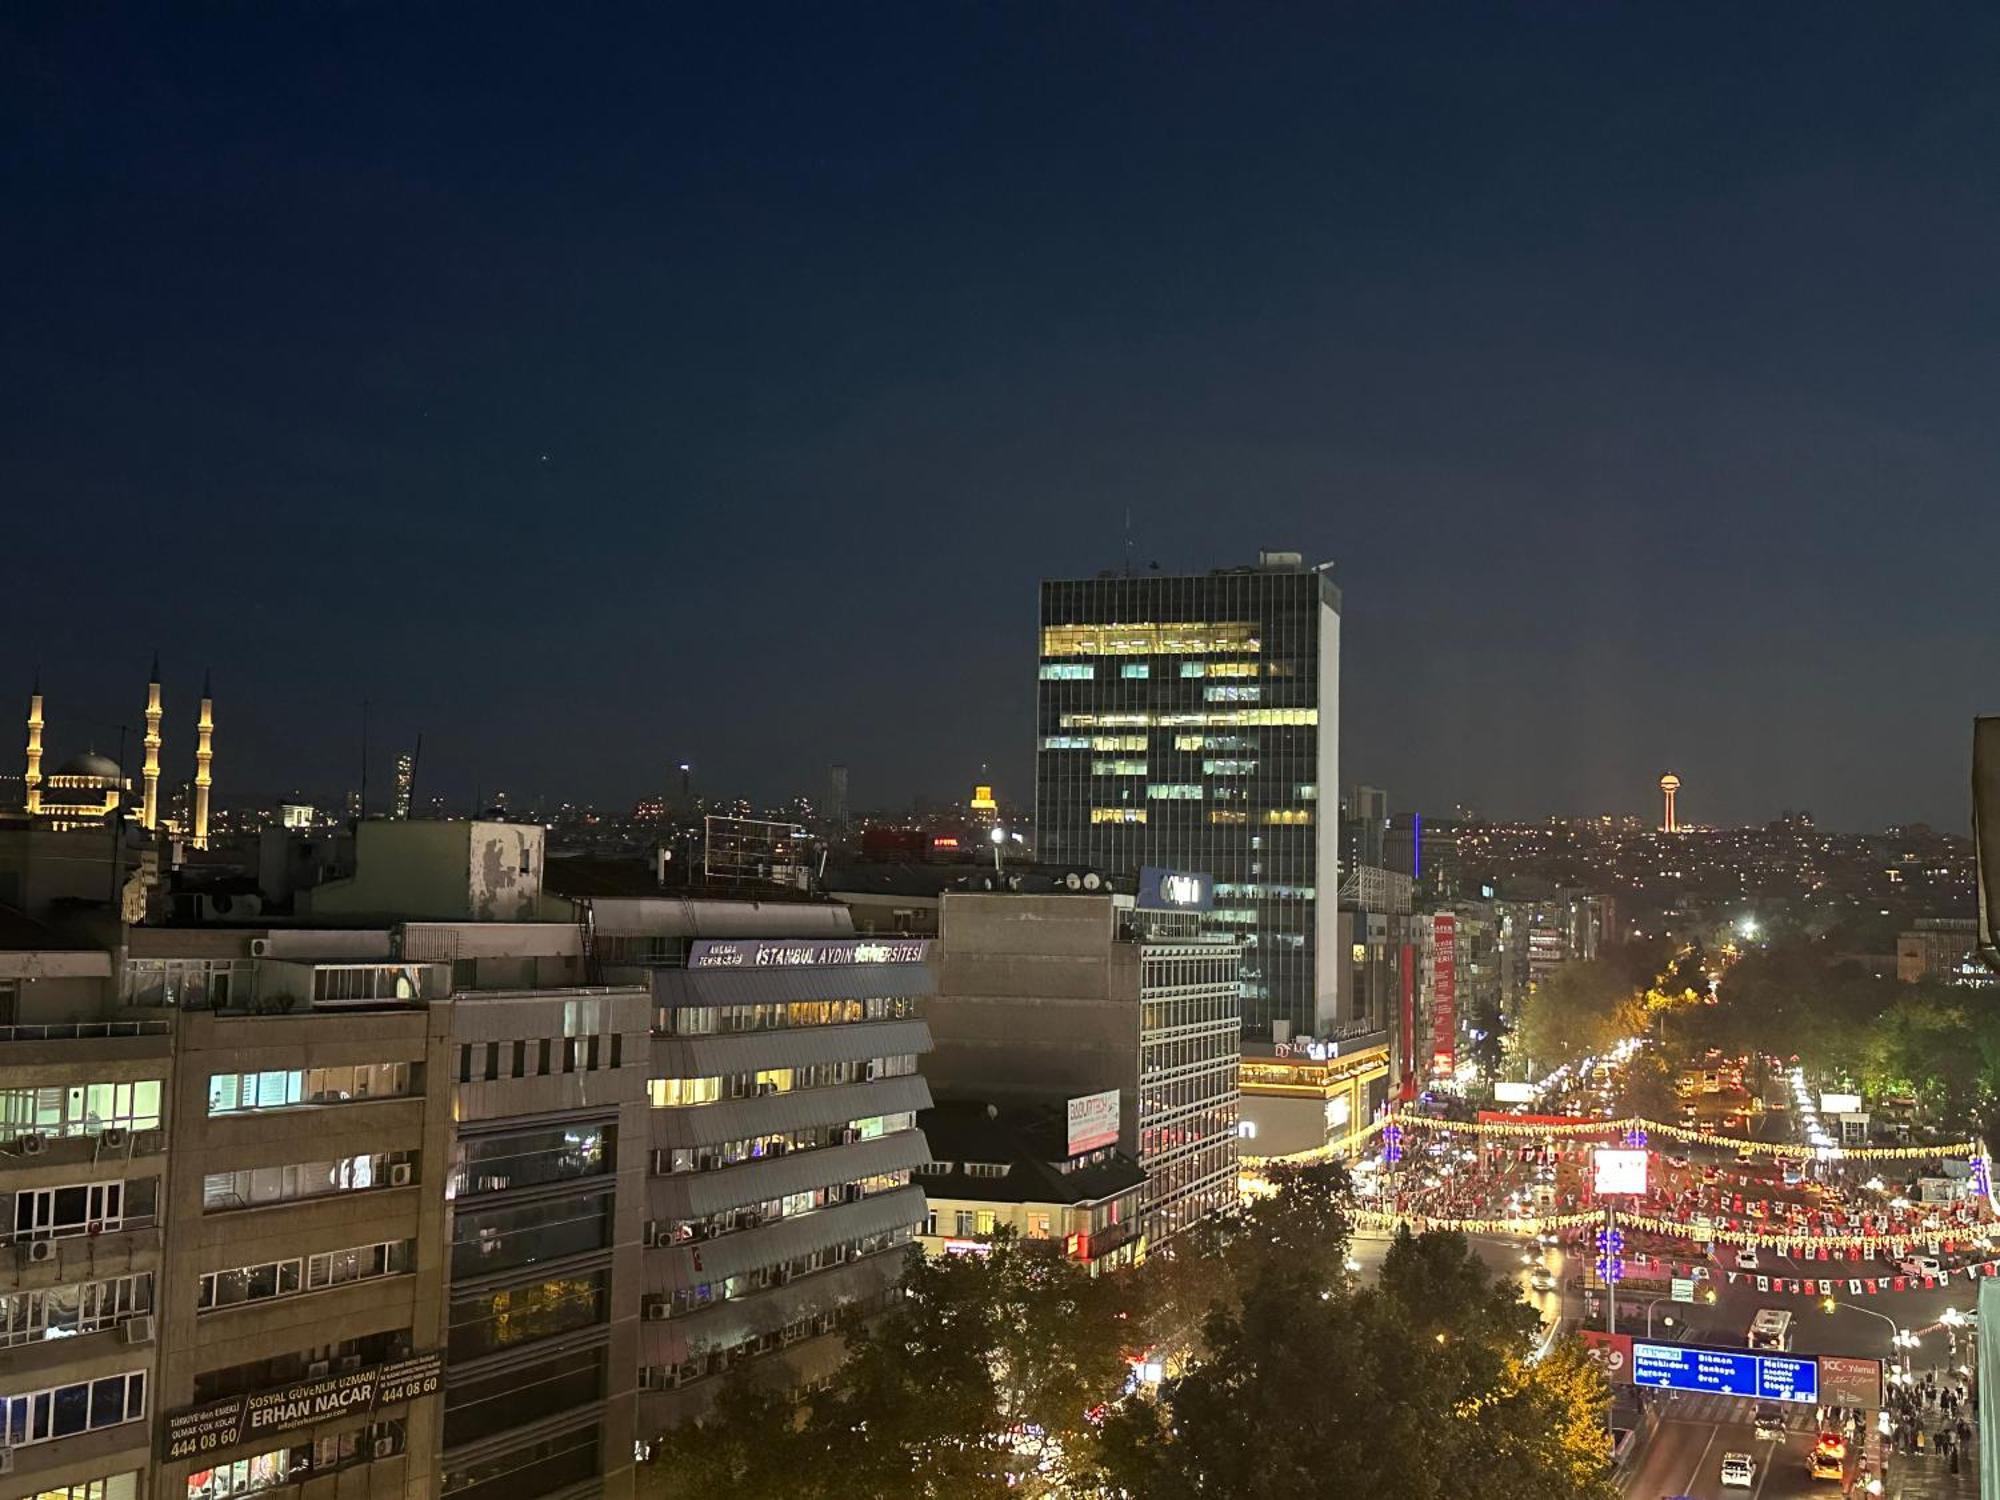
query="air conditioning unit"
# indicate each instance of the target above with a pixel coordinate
(352, 1362)
(319, 1367)
(113, 1139)
(139, 1330)
(6, 1460)
(31, 1145)
(40, 1251)
(400, 1174)
(706, 1163)
(656, 1312)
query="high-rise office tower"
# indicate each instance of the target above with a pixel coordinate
(1192, 722)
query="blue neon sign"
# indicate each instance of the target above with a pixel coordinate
(1727, 1372)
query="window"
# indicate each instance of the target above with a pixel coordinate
(293, 1465)
(964, 1221)
(590, 1054)
(1194, 669)
(57, 1312)
(520, 1473)
(1229, 767)
(520, 1060)
(492, 1321)
(79, 1108)
(360, 1263)
(1288, 816)
(1117, 815)
(1135, 670)
(1118, 768)
(528, 1158)
(116, 1487)
(482, 1406)
(666, 1093)
(235, 1093)
(542, 1066)
(1149, 639)
(79, 1208)
(492, 1061)
(617, 1049)
(65, 1410)
(1232, 693)
(1173, 791)
(497, 1239)
(254, 1187)
(1065, 671)
(259, 1283)
(1066, 742)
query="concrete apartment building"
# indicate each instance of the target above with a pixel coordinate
(1043, 998)
(400, 1251)
(447, 1185)
(992, 1170)
(84, 1105)
(784, 1099)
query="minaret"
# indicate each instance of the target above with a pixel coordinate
(204, 755)
(149, 812)
(34, 777)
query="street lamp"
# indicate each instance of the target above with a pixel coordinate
(999, 837)
(1668, 1320)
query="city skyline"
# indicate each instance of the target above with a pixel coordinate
(498, 406)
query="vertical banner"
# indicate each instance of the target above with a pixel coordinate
(1444, 994)
(1406, 1054)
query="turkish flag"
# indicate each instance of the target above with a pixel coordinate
(1872, 1285)
(1901, 1283)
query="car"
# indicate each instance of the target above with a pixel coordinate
(1542, 1279)
(1920, 1265)
(1678, 1161)
(1770, 1421)
(1739, 1471)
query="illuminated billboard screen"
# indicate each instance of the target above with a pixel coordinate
(1620, 1171)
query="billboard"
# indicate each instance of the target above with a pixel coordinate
(1610, 1351)
(1175, 890)
(1839, 1104)
(1444, 994)
(1406, 1031)
(1093, 1122)
(803, 953)
(1508, 1092)
(1850, 1382)
(1726, 1372)
(265, 1414)
(1619, 1170)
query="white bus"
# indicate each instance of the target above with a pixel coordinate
(1771, 1329)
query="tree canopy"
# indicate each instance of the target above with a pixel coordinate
(1009, 1374)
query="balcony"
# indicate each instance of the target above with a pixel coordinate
(132, 1244)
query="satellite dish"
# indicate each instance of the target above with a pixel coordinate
(1093, 881)
(1073, 881)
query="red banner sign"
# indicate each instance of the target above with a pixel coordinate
(1444, 994)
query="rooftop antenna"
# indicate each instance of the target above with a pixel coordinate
(416, 759)
(364, 761)
(1128, 541)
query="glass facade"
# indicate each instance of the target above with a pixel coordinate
(1221, 746)
(1190, 1046)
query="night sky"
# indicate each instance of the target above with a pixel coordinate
(592, 392)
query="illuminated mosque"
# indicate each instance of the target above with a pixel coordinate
(88, 790)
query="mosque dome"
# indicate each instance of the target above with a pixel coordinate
(90, 763)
